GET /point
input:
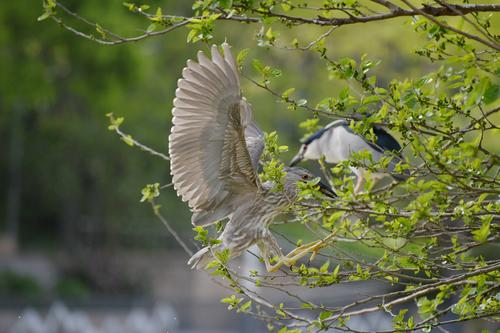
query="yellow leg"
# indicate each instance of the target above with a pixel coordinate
(326, 171)
(360, 182)
(298, 253)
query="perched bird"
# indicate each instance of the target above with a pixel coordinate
(215, 148)
(337, 142)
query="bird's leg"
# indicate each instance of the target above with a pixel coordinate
(376, 179)
(298, 253)
(360, 182)
(269, 249)
(271, 267)
(326, 170)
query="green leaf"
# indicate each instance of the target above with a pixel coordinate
(223, 256)
(150, 192)
(50, 4)
(158, 13)
(287, 93)
(371, 99)
(332, 219)
(131, 6)
(324, 267)
(282, 149)
(44, 16)
(275, 72)
(344, 93)
(226, 4)
(482, 233)
(201, 235)
(128, 140)
(152, 27)
(232, 301)
(335, 272)
(269, 33)
(286, 6)
(245, 307)
(491, 93)
(307, 306)
(302, 102)
(191, 37)
(324, 315)
(258, 66)
(99, 29)
(114, 122)
(240, 58)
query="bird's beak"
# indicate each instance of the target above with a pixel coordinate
(326, 190)
(296, 159)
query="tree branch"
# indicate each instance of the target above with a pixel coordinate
(394, 12)
(453, 10)
(456, 11)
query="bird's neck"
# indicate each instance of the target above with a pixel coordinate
(314, 150)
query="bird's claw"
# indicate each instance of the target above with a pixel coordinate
(296, 254)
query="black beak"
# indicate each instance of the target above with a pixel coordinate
(296, 160)
(326, 190)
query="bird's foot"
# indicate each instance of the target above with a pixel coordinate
(298, 253)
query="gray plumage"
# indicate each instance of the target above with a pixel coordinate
(214, 149)
(337, 142)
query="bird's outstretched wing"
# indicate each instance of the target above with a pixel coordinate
(214, 145)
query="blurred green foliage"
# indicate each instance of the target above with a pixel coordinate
(26, 287)
(56, 89)
(19, 285)
(71, 287)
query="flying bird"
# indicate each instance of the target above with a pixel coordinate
(337, 142)
(215, 148)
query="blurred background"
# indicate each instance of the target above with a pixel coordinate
(78, 251)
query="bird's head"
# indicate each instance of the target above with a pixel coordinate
(295, 175)
(309, 149)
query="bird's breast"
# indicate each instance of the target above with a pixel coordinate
(273, 205)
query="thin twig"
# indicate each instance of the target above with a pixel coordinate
(170, 229)
(127, 138)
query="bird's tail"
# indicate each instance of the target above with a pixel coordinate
(201, 258)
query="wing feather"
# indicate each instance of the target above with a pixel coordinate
(230, 61)
(254, 138)
(224, 66)
(196, 76)
(214, 145)
(192, 86)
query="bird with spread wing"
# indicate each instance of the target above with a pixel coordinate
(215, 148)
